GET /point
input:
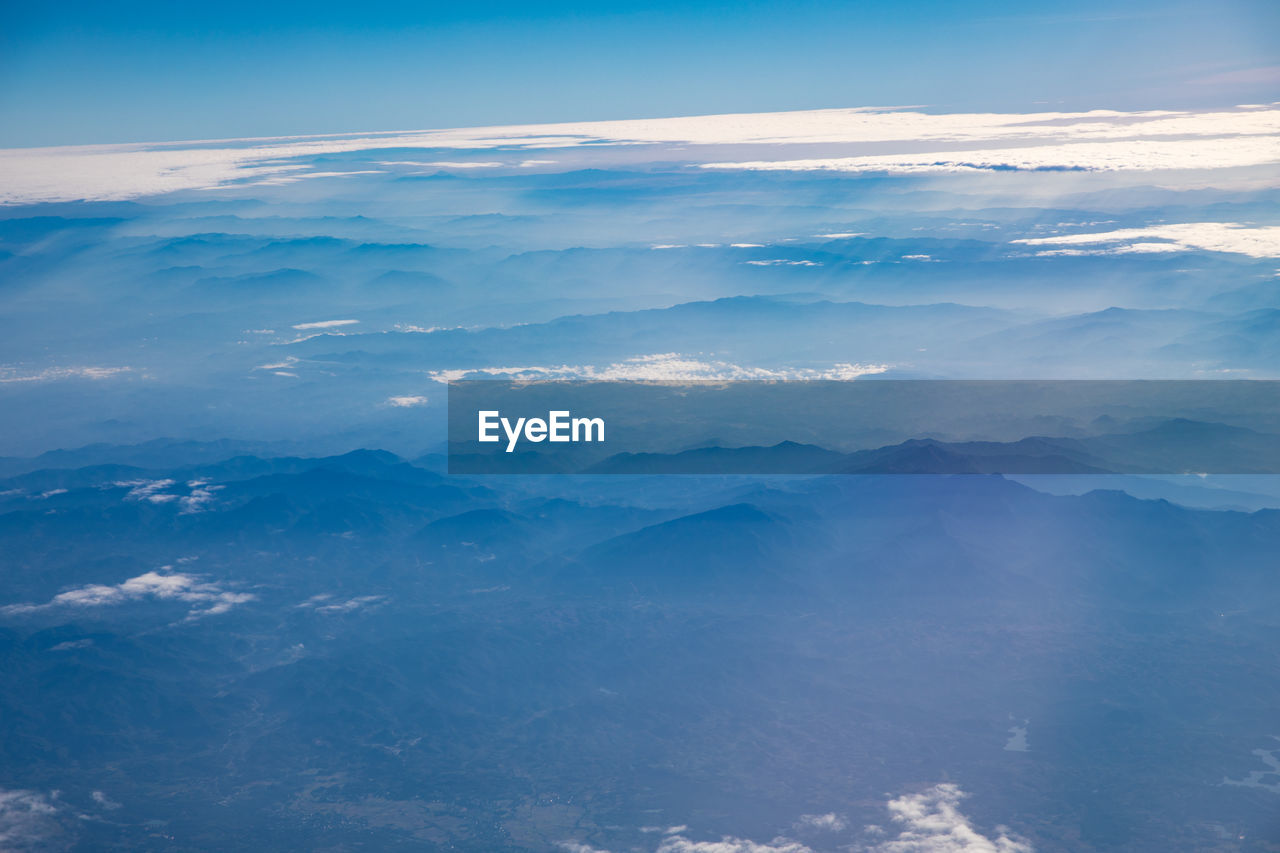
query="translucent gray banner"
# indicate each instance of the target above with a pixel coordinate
(867, 426)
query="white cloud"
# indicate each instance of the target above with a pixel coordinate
(325, 324)
(1123, 155)
(289, 361)
(443, 164)
(927, 822)
(205, 597)
(103, 800)
(201, 496)
(147, 490)
(1150, 139)
(13, 374)
(841, 235)
(579, 847)
(931, 822)
(423, 330)
(776, 262)
(324, 603)
(662, 367)
(830, 822)
(730, 844)
(200, 493)
(71, 644)
(406, 402)
(1256, 242)
(26, 820)
(294, 177)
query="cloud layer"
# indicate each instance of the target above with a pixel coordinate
(1095, 140)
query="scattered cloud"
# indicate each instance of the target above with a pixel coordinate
(927, 822)
(931, 822)
(424, 330)
(289, 361)
(406, 402)
(27, 820)
(775, 262)
(663, 367)
(200, 493)
(730, 844)
(830, 822)
(151, 491)
(324, 324)
(201, 496)
(49, 374)
(1231, 237)
(325, 603)
(71, 644)
(103, 800)
(206, 598)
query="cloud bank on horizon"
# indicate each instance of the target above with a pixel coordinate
(853, 140)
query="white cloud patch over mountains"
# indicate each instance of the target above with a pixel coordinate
(325, 324)
(1098, 140)
(26, 820)
(407, 401)
(829, 822)
(206, 598)
(13, 374)
(926, 822)
(729, 844)
(1256, 242)
(662, 367)
(200, 493)
(931, 822)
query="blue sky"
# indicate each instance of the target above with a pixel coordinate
(133, 71)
